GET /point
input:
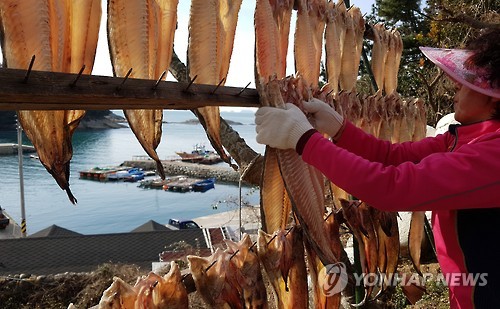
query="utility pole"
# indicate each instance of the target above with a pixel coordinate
(21, 176)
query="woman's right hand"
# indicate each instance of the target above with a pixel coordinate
(325, 118)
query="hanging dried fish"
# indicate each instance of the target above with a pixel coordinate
(212, 26)
(140, 35)
(334, 42)
(248, 273)
(282, 255)
(215, 280)
(308, 44)
(53, 32)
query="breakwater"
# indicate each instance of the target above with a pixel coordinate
(172, 168)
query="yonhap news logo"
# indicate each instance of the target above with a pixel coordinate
(333, 278)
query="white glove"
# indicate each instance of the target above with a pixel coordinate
(280, 128)
(325, 118)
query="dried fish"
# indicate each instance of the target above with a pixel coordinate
(308, 44)
(212, 26)
(248, 274)
(282, 255)
(334, 42)
(52, 31)
(215, 280)
(140, 35)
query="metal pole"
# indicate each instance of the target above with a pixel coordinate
(241, 202)
(21, 176)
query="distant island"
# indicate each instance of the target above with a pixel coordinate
(91, 120)
(196, 121)
(94, 120)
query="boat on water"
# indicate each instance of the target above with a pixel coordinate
(158, 183)
(204, 185)
(180, 183)
(101, 173)
(129, 175)
(199, 154)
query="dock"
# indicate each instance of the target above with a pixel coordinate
(101, 173)
(221, 173)
(11, 148)
(181, 184)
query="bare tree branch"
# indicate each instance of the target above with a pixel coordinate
(231, 140)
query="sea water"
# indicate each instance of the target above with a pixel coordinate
(114, 207)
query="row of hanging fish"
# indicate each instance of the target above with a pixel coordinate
(344, 35)
(62, 36)
(393, 119)
(232, 278)
(287, 182)
(386, 57)
(151, 291)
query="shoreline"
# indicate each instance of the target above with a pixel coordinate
(173, 168)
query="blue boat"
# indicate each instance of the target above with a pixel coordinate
(130, 175)
(204, 185)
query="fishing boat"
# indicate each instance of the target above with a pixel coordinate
(199, 154)
(204, 185)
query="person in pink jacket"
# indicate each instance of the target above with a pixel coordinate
(456, 175)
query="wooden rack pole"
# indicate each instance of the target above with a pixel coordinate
(58, 91)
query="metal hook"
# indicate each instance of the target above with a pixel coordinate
(191, 82)
(350, 7)
(73, 84)
(241, 91)
(124, 80)
(210, 266)
(329, 92)
(30, 67)
(159, 80)
(220, 83)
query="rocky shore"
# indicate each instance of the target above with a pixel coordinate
(220, 172)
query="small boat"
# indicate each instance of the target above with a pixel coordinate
(199, 154)
(204, 185)
(158, 183)
(181, 184)
(130, 175)
(134, 177)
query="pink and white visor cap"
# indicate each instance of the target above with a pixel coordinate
(451, 61)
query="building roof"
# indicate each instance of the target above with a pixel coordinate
(54, 230)
(150, 226)
(82, 253)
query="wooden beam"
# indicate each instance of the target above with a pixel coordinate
(64, 91)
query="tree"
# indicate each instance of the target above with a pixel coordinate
(441, 23)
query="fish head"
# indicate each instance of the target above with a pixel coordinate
(119, 295)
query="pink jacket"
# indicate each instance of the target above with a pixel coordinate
(451, 174)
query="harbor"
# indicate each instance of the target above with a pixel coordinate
(100, 203)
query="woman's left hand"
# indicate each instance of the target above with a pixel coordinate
(280, 128)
